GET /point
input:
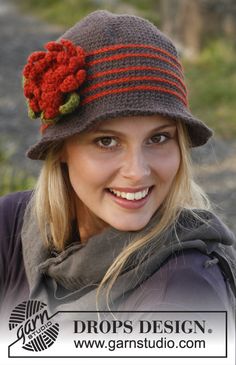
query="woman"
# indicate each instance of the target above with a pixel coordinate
(116, 220)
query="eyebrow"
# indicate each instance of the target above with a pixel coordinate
(157, 129)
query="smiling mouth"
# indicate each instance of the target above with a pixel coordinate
(131, 196)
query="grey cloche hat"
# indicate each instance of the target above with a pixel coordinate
(105, 66)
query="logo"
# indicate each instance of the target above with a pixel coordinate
(33, 325)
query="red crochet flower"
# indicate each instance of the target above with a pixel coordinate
(52, 79)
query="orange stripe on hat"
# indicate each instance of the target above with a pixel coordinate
(133, 55)
(136, 68)
(88, 99)
(130, 79)
(124, 46)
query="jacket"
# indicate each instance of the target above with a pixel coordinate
(197, 274)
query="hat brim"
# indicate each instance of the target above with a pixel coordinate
(198, 132)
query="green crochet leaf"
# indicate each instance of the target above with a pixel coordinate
(32, 114)
(23, 81)
(48, 121)
(71, 104)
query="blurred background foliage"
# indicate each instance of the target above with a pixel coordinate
(204, 32)
(70, 11)
(13, 178)
(211, 80)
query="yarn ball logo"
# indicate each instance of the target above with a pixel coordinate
(34, 327)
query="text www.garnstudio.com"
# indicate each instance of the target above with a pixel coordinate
(145, 343)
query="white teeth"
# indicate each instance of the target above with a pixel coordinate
(131, 196)
(138, 195)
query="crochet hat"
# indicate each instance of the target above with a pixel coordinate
(106, 66)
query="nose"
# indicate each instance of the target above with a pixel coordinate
(136, 166)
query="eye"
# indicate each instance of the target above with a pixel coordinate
(106, 142)
(158, 138)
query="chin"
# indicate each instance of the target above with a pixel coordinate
(130, 226)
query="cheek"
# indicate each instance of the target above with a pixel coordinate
(167, 166)
(88, 172)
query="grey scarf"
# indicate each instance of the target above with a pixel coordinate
(69, 281)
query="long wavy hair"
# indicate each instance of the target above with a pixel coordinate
(54, 205)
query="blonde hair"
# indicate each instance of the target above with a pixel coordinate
(55, 209)
(53, 203)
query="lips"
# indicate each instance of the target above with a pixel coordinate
(130, 195)
(130, 198)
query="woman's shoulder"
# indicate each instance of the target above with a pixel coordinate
(13, 282)
(12, 202)
(12, 208)
(195, 274)
(13, 199)
(188, 280)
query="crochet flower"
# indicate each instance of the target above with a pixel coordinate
(52, 79)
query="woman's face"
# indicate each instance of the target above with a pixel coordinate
(122, 171)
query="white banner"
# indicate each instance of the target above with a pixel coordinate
(122, 334)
